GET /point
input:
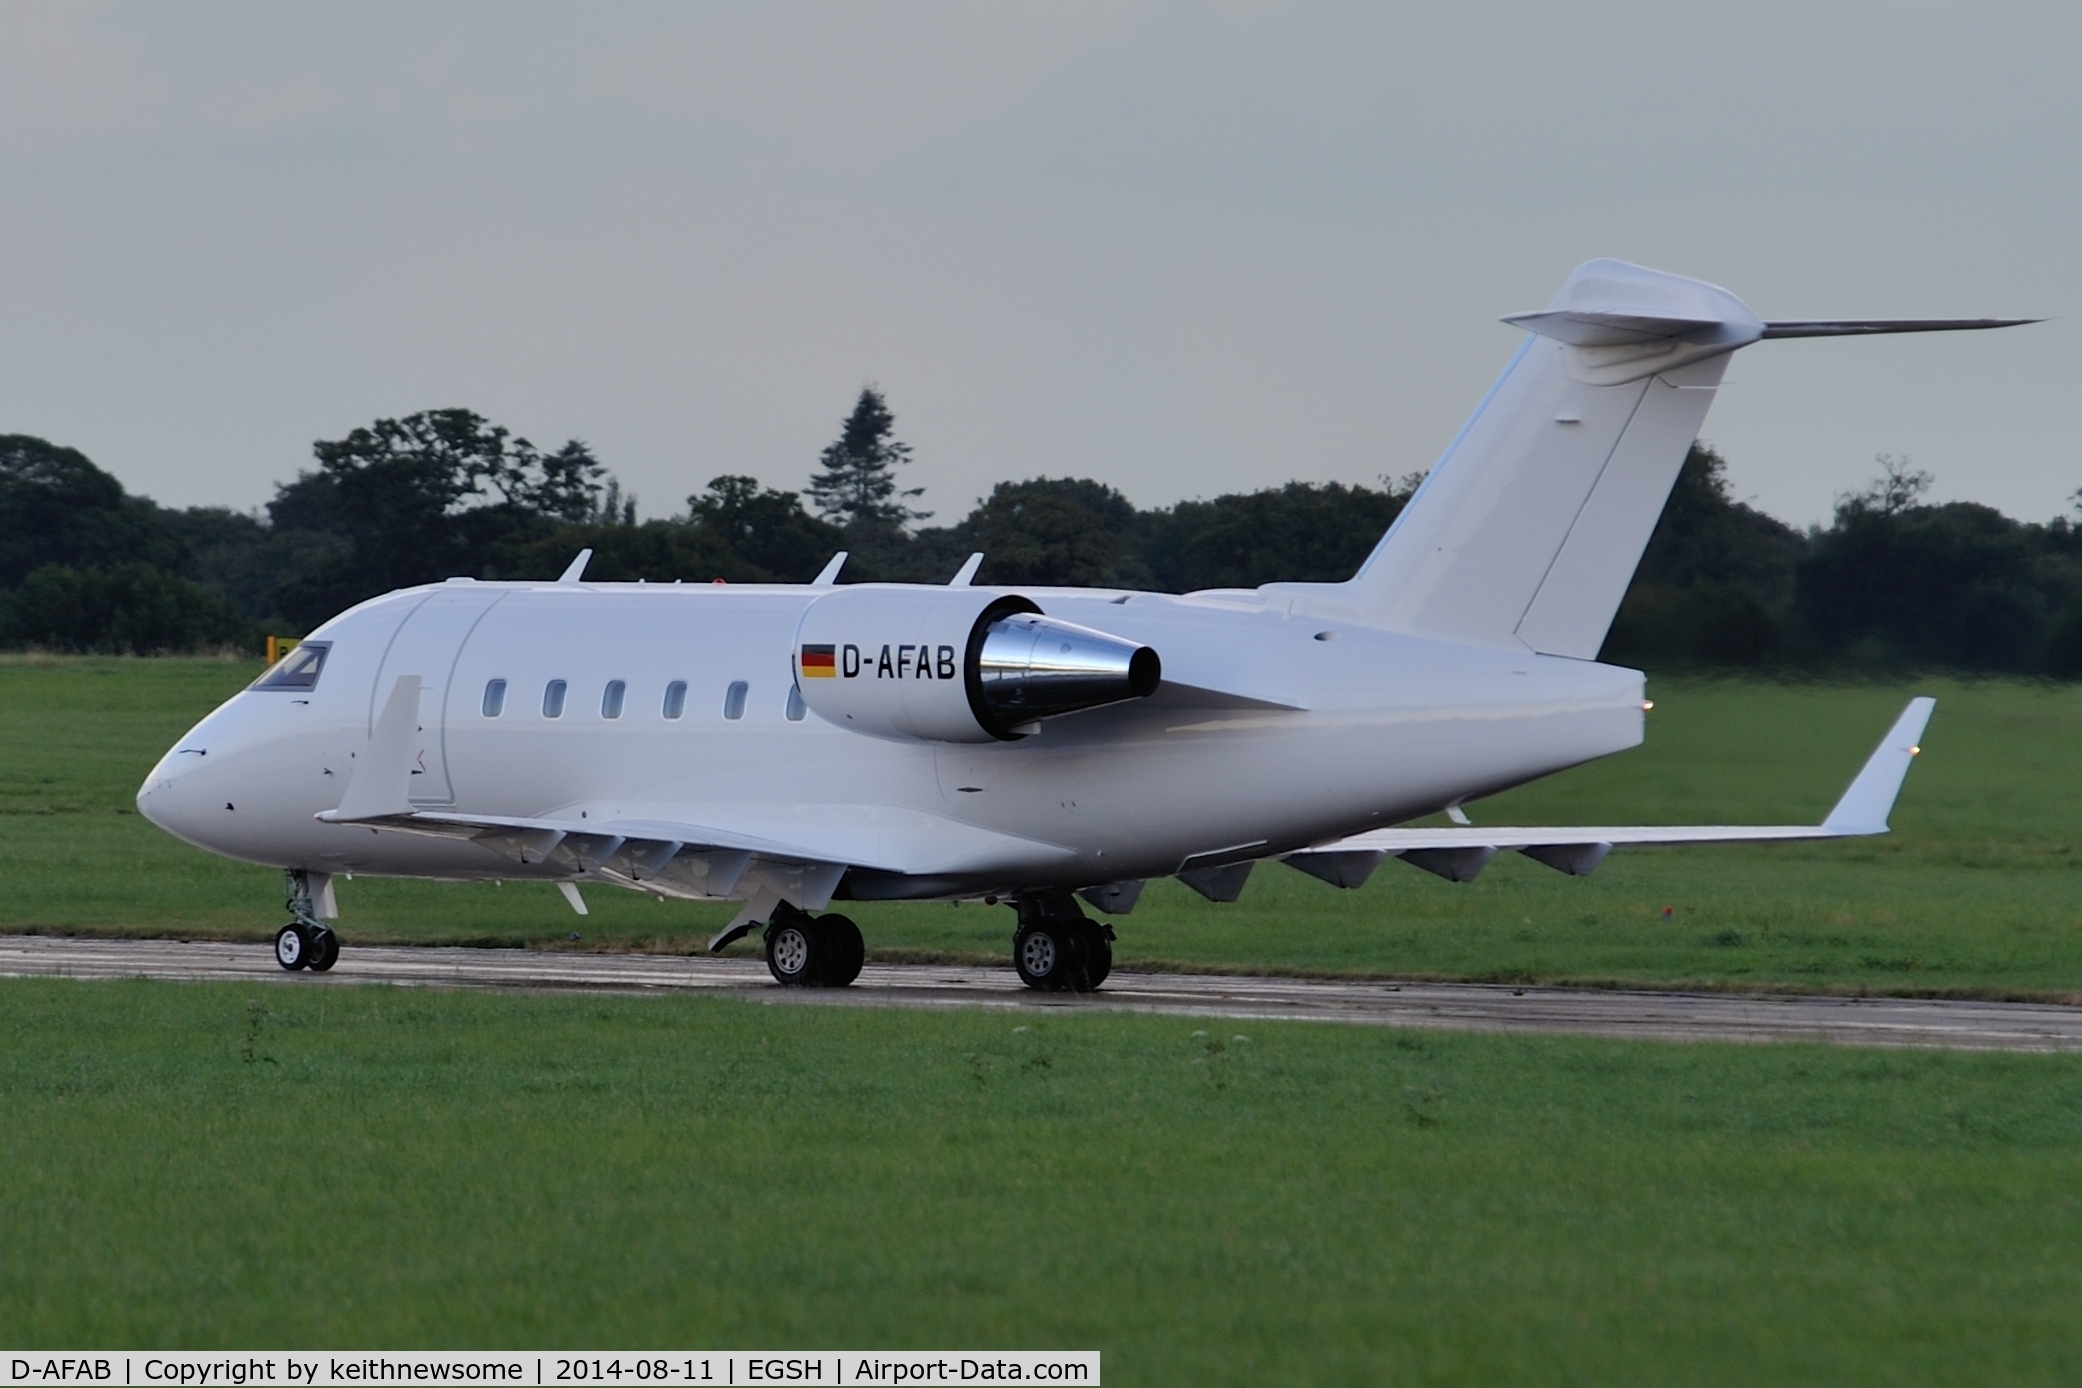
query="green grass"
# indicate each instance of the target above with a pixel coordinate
(1976, 893)
(218, 1165)
(206, 1165)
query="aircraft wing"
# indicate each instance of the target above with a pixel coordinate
(533, 839)
(887, 838)
(1461, 852)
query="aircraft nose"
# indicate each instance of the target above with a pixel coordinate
(171, 800)
(155, 801)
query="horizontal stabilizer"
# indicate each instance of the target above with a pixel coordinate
(1867, 327)
(1459, 853)
(1595, 329)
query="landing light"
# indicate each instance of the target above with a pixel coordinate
(1647, 704)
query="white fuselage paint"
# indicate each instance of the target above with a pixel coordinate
(1381, 727)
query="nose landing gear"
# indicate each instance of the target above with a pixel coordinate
(307, 942)
(1056, 948)
(299, 946)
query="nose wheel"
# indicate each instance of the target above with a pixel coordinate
(306, 942)
(299, 946)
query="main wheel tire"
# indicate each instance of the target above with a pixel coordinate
(292, 947)
(1053, 956)
(842, 949)
(793, 955)
(325, 951)
(1036, 954)
(1098, 954)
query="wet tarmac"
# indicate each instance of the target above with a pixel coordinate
(1657, 1016)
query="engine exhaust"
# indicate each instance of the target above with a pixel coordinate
(1024, 667)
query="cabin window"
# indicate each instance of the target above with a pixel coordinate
(796, 707)
(734, 700)
(611, 699)
(494, 698)
(675, 698)
(553, 699)
(298, 670)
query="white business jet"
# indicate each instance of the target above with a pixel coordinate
(788, 746)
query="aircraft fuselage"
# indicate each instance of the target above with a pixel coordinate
(1292, 731)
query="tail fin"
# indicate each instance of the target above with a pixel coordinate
(1528, 530)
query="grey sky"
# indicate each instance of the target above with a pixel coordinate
(1184, 248)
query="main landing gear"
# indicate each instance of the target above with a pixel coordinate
(306, 942)
(801, 952)
(1056, 948)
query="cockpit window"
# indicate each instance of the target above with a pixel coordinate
(298, 670)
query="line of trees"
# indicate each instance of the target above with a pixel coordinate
(1893, 582)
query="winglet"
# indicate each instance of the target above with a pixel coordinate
(829, 574)
(575, 571)
(967, 574)
(1866, 805)
(382, 780)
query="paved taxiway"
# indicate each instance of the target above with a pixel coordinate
(1459, 1007)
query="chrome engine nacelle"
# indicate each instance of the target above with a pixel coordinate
(956, 664)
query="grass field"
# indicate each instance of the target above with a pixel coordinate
(214, 1165)
(1976, 893)
(217, 1165)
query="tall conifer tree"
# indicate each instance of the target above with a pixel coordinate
(856, 484)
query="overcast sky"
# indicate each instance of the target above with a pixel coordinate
(1183, 248)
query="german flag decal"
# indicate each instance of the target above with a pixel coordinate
(819, 662)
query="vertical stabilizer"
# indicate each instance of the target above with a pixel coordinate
(1530, 527)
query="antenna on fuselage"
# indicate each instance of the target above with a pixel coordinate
(967, 574)
(575, 571)
(829, 574)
